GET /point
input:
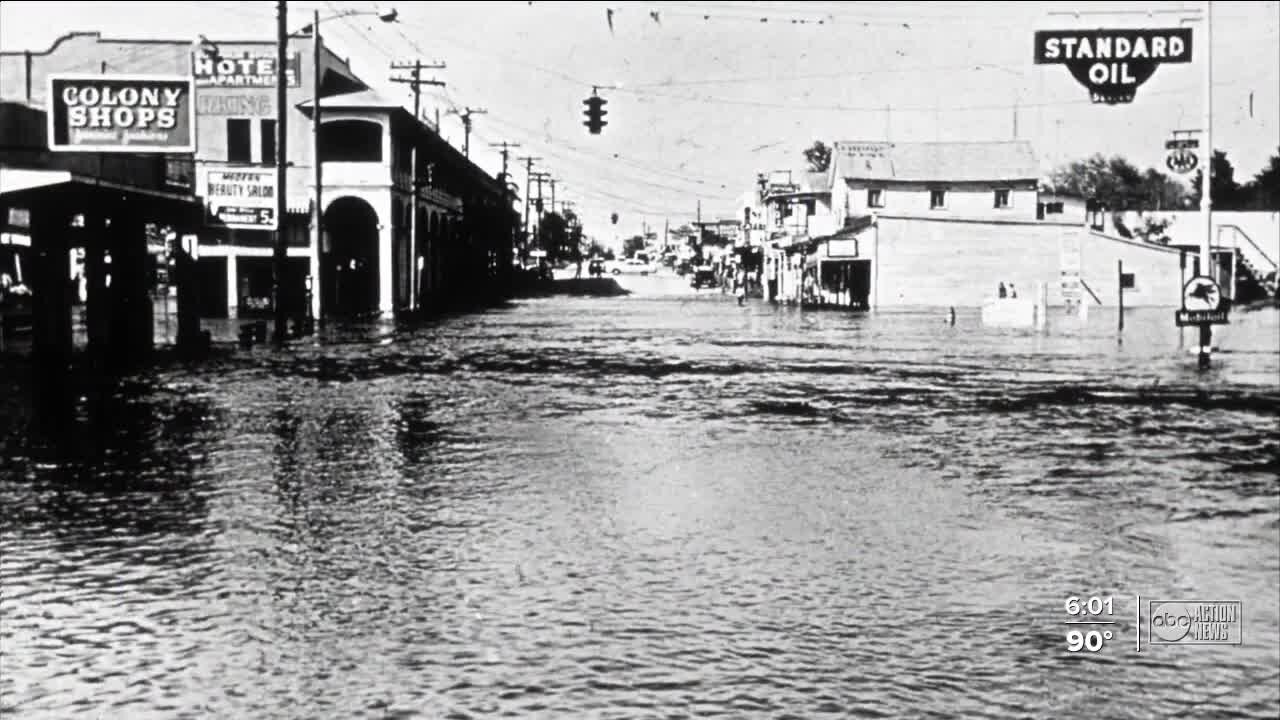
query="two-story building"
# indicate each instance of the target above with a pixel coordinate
(409, 222)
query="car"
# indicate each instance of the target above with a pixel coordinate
(632, 266)
(703, 277)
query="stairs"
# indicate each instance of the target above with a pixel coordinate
(1256, 276)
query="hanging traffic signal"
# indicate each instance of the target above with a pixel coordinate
(595, 113)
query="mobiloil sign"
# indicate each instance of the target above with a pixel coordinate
(121, 113)
(1113, 64)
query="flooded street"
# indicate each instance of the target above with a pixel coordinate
(662, 505)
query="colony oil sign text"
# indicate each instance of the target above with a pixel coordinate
(248, 70)
(1112, 64)
(121, 113)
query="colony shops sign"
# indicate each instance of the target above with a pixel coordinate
(1113, 64)
(243, 198)
(121, 114)
(245, 71)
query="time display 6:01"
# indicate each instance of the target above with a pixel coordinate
(1090, 606)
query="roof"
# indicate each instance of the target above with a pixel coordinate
(363, 99)
(935, 161)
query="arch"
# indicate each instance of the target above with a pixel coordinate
(351, 141)
(349, 258)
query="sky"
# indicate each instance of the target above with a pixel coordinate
(704, 95)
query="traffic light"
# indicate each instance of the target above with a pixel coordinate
(595, 113)
(614, 218)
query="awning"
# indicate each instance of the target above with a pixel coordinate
(27, 180)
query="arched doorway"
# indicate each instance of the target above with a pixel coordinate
(349, 258)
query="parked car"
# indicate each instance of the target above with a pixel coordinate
(632, 266)
(703, 277)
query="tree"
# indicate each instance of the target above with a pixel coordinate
(553, 236)
(632, 245)
(1119, 185)
(1226, 192)
(819, 157)
(1263, 192)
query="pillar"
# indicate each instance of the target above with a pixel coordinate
(51, 289)
(386, 303)
(232, 297)
(98, 303)
(131, 312)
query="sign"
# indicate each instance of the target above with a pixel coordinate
(1201, 293)
(847, 248)
(1181, 144)
(1113, 64)
(245, 70)
(1182, 161)
(121, 114)
(1185, 318)
(243, 198)
(1126, 281)
(247, 104)
(865, 149)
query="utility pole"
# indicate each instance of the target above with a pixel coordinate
(539, 178)
(416, 82)
(506, 152)
(280, 255)
(506, 184)
(553, 195)
(1207, 268)
(528, 199)
(466, 114)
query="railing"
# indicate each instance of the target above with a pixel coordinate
(1258, 253)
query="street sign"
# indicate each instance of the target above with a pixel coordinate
(1113, 64)
(121, 114)
(242, 198)
(1182, 161)
(1201, 294)
(1186, 318)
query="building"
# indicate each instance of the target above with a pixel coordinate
(410, 223)
(995, 181)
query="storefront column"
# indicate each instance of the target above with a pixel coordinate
(232, 297)
(386, 284)
(131, 315)
(98, 303)
(51, 291)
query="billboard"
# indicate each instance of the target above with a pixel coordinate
(241, 198)
(121, 114)
(246, 70)
(1113, 64)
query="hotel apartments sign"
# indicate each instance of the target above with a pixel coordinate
(1113, 64)
(241, 198)
(248, 70)
(121, 114)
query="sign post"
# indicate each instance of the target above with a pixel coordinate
(1202, 306)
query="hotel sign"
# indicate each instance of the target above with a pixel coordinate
(1113, 64)
(242, 198)
(121, 114)
(865, 149)
(248, 70)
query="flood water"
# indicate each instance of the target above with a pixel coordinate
(650, 506)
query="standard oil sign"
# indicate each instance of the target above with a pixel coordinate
(121, 113)
(1113, 64)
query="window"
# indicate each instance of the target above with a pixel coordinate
(351, 141)
(1002, 198)
(238, 141)
(937, 199)
(268, 141)
(1053, 208)
(875, 198)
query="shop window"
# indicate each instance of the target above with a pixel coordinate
(1002, 198)
(239, 144)
(875, 198)
(937, 199)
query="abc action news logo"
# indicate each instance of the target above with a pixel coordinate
(1195, 622)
